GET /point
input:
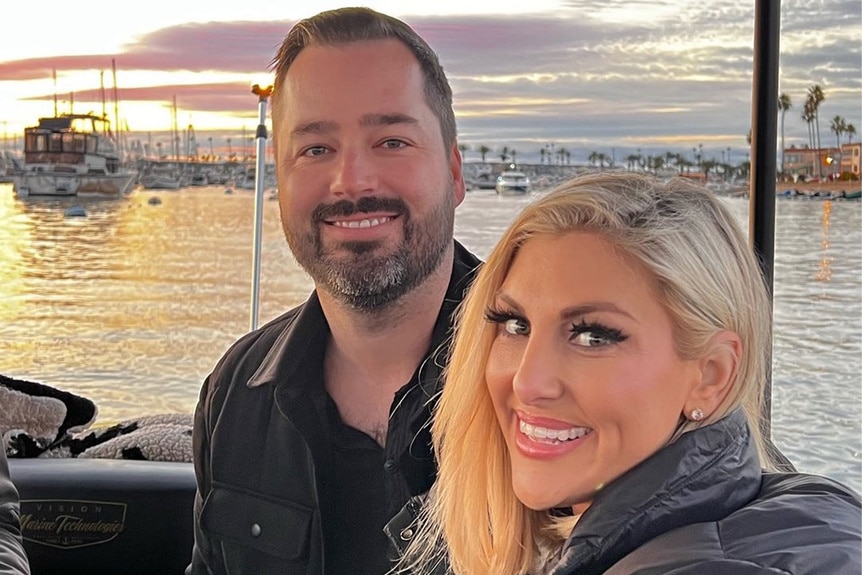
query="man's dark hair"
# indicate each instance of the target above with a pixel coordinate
(347, 25)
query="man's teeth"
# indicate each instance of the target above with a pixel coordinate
(366, 223)
(536, 432)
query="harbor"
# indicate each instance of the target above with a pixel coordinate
(131, 305)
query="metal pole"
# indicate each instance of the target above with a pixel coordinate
(764, 121)
(259, 178)
(764, 136)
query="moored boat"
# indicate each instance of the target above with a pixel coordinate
(70, 155)
(162, 176)
(512, 183)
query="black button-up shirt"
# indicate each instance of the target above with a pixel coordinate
(361, 484)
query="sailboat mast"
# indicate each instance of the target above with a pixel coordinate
(102, 92)
(175, 136)
(116, 111)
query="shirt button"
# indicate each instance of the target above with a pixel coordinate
(255, 530)
(390, 465)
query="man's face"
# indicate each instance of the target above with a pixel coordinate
(367, 190)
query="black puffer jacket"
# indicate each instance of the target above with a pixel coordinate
(702, 506)
(13, 560)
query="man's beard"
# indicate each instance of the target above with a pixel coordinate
(360, 278)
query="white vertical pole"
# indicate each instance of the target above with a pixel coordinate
(259, 178)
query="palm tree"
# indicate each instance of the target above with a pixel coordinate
(483, 149)
(602, 158)
(563, 153)
(542, 155)
(816, 97)
(838, 126)
(671, 159)
(463, 149)
(683, 163)
(850, 130)
(783, 105)
(705, 166)
(808, 116)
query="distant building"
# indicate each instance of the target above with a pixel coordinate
(850, 158)
(808, 163)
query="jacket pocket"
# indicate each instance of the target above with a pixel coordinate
(276, 527)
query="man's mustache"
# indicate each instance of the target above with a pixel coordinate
(368, 204)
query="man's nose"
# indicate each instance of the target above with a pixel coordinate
(355, 173)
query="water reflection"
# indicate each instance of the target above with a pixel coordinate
(133, 304)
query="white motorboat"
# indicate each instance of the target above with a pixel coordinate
(162, 176)
(70, 155)
(512, 183)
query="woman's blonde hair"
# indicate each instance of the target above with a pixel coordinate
(708, 279)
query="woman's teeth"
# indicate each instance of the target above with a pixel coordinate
(543, 433)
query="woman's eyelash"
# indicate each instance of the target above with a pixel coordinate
(598, 330)
(499, 316)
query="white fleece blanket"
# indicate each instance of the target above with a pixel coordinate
(37, 420)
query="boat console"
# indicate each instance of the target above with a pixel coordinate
(106, 516)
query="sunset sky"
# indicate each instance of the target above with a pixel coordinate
(609, 76)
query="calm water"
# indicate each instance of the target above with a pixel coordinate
(132, 305)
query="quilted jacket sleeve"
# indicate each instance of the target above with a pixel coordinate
(13, 559)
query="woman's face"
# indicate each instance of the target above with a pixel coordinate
(583, 373)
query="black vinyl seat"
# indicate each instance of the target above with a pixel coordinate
(106, 516)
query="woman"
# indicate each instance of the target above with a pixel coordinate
(602, 409)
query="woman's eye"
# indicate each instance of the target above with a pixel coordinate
(595, 335)
(590, 339)
(510, 322)
(516, 326)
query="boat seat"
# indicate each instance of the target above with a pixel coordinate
(106, 516)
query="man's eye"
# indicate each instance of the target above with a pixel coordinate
(314, 151)
(516, 326)
(393, 144)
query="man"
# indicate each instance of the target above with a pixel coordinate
(13, 560)
(312, 432)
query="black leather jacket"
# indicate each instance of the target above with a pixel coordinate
(257, 444)
(13, 560)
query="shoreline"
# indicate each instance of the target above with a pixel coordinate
(845, 186)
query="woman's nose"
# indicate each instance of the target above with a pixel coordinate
(538, 377)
